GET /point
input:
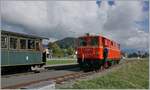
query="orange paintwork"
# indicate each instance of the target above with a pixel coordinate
(96, 52)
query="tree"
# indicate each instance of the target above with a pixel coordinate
(146, 54)
(139, 53)
(70, 51)
(65, 52)
(133, 55)
(50, 45)
(57, 52)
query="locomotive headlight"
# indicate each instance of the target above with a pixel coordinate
(76, 52)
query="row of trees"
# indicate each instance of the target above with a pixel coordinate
(135, 54)
(69, 51)
(60, 52)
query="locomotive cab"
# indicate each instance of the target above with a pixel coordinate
(88, 47)
(90, 51)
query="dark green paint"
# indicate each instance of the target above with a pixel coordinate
(20, 57)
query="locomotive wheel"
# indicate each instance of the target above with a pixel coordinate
(85, 66)
(113, 62)
(117, 61)
(97, 65)
(90, 65)
(106, 65)
(109, 63)
(80, 64)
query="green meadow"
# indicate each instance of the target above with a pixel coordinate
(132, 75)
(53, 62)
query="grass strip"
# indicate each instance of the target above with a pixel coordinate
(132, 75)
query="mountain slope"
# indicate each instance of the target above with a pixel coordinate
(66, 42)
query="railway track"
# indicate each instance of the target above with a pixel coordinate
(57, 80)
(9, 81)
(60, 78)
(43, 69)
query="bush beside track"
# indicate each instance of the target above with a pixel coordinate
(134, 74)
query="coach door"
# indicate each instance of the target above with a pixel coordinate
(4, 50)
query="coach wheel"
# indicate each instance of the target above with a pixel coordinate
(28, 68)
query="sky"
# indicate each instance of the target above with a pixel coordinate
(125, 21)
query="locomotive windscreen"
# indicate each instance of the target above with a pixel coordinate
(88, 41)
(82, 42)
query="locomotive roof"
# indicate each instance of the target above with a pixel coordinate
(98, 36)
(22, 34)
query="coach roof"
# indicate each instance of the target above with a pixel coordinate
(22, 34)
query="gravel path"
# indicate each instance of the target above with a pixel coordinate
(13, 80)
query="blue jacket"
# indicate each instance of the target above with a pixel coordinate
(105, 52)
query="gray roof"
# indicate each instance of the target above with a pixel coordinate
(22, 34)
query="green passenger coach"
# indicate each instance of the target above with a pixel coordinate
(21, 50)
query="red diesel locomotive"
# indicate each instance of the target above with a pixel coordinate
(90, 52)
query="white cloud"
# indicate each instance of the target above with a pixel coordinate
(121, 26)
(59, 19)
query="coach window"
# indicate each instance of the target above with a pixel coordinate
(3, 41)
(13, 43)
(37, 46)
(31, 44)
(22, 43)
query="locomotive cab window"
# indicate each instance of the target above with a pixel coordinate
(22, 43)
(82, 42)
(31, 44)
(111, 43)
(3, 41)
(103, 41)
(119, 46)
(94, 41)
(13, 43)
